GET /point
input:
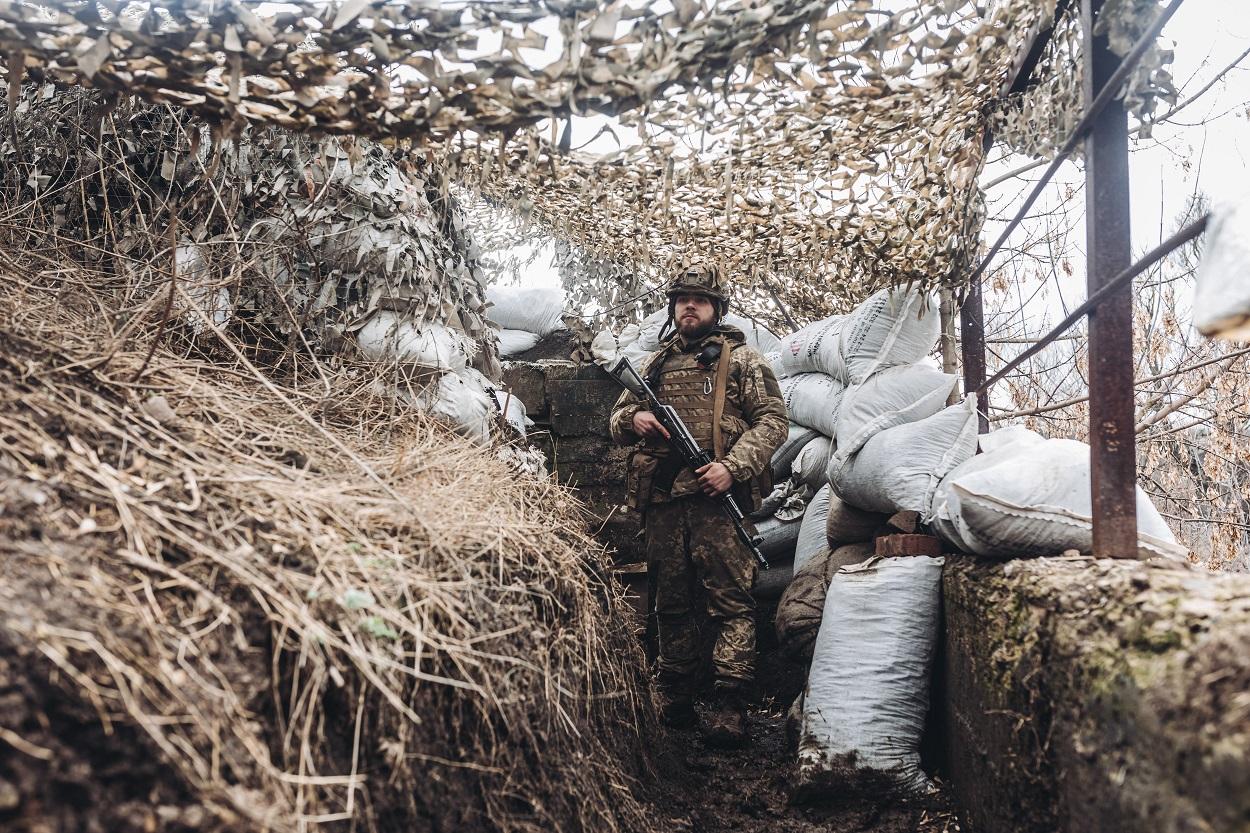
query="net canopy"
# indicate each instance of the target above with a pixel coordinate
(817, 149)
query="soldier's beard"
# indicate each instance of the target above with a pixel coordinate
(694, 330)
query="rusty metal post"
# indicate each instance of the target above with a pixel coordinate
(972, 351)
(1112, 439)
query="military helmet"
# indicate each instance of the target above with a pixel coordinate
(699, 279)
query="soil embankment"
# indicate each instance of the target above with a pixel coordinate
(1097, 696)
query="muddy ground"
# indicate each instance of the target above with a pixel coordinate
(704, 790)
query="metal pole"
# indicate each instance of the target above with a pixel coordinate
(1113, 463)
(972, 346)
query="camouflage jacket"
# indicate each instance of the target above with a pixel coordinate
(755, 423)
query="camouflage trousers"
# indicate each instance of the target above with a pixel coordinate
(700, 565)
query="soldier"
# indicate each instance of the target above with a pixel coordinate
(728, 397)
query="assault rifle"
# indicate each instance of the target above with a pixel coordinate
(686, 447)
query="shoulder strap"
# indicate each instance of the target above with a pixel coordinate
(718, 399)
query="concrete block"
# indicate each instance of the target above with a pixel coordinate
(580, 407)
(528, 383)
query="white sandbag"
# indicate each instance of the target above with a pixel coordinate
(847, 524)
(814, 349)
(777, 538)
(608, 347)
(1222, 293)
(1000, 438)
(796, 440)
(389, 337)
(774, 361)
(900, 468)
(463, 398)
(533, 309)
(868, 687)
(810, 466)
(511, 408)
(991, 444)
(893, 327)
(758, 337)
(811, 540)
(889, 397)
(512, 342)
(1033, 498)
(650, 328)
(812, 400)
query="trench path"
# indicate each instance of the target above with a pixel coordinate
(749, 790)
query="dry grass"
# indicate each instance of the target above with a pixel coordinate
(314, 606)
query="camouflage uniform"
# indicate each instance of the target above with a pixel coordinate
(691, 544)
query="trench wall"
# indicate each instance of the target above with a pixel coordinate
(569, 404)
(1096, 696)
(1076, 695)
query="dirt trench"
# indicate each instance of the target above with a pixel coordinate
(704, 790)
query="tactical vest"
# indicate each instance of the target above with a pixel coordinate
(689, 389)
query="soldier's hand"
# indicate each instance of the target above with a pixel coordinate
(715, 479)
(646, 425)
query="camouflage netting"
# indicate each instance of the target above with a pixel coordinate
(298, 238)
(833, 146)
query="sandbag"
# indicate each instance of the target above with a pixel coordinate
(533, 309)
(1000, 438)
(649, 330)
(811, 538)
(511, 408)
(512, 342)
(389, 337)
(868, 686)
(758, 337)
(942, 523)
(812, 400)
(900, 468)
(783, 458)
(608, 347)
(463, 399)
(802, 604)
(774, 361)
(810, 466)
(777, 538)
(1033, 498)
(891, 396)
(893, 327)
(1222, 293)
(845, 524)
(814, 349)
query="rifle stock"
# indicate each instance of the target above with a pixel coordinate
(684, 443)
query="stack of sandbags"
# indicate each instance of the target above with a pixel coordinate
(891, 331)
(524, 315)
(434, 358)
(1028, 496)
(869, 624)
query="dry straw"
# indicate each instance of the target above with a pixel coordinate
(309, 603)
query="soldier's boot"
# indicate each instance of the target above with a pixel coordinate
(678, 713)
(726, 726)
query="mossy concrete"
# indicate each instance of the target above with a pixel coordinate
(1091, 695)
